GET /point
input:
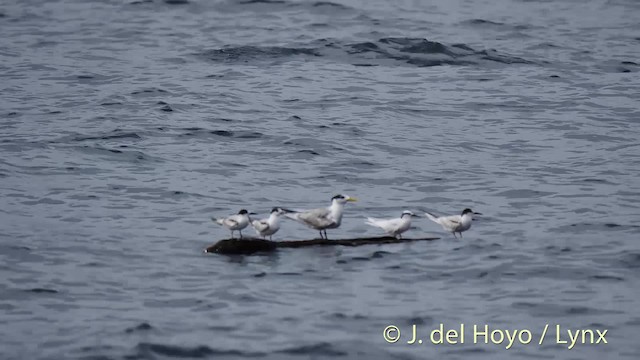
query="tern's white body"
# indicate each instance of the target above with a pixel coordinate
(394, 227)
(269, 226)
(322, 219)
(234, 222)
(453, 223)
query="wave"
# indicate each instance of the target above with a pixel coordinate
(388, 51)
(149, 350)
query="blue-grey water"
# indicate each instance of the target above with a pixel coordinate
(125, 125)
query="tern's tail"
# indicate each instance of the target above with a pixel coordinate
(292, 215)
(219, 221)
(431, 217)
(371, 221)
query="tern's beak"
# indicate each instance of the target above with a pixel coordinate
(252, 213)
(475, 213)
(414, 215)
(352, 199)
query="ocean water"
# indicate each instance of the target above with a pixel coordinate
(125, 125)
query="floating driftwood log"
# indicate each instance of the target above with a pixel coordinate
(252, 245)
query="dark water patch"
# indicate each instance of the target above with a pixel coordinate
(223, 133)
(607, 277)
(482, 22)
(166, 108)
(46, 201)
(320, 349)
(131, 155)
(309, 152)
(248, 135)
(596, 138)
(233, 164)
(42, 291)
(150, 350)
(140, 327)
(114, 135)
(488, 24)
(600, 181)
(631, 260)
(149, 91)
(111, 103)
(259, 275)
(359, 258)
(289, 273)
(594, 227)
(330, 5)
(255, 53)
(379, 254)
(176, 2)
(414, 51)
(552, 310)
(343, 316)
(244, 135)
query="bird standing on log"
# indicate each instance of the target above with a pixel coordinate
(454, 223)
(394, 227)
(269, 226)
(235, 222)
(323, 218)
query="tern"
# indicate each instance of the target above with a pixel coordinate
(454, 223)
(269, 226)
(235, 222)
(323, 218)
(394, 227)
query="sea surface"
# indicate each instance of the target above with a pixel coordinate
(126, 125)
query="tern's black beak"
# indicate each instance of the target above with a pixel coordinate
(414, 215)
(252, 213)
(475, 213)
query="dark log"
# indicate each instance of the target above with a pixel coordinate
(249, 246)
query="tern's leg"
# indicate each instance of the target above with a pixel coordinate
(325, 235)
(231, 234)
(400, 236)
(321, 235)
(454, 235)
(240, 231)
(270, 238)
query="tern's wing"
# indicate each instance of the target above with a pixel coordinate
(230, 221)
(450, 222)
(316, 218)
(260, 225)
(388, 225)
